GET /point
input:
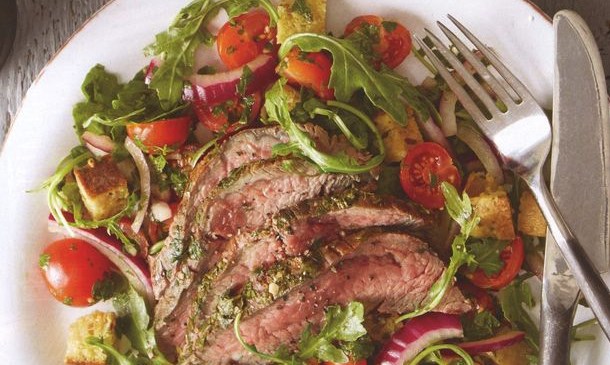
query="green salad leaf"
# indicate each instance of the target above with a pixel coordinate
(460, 210)
(487, 255)
(341, 332)
(482, 325)
(302, 144)
(177, 45)
(512, 299)
(136, 324)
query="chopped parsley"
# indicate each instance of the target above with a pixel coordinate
(43, 260)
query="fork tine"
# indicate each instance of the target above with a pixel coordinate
(467, 102)
(458, 66)
(510, 78)
(480, 68)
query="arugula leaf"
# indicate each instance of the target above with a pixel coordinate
(512, 298)
(460, 210)
(303, 145)
(487, 255)
(482, 325)
(351, 72)
(342, 328)
(135, 323)
(434, 349)
(178, 43)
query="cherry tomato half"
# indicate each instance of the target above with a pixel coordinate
(423, 169)
(244, 37)
(512, 256)
(216, 117)
(311, 70)
(480, 297)
(391, 40)
(70, 268)
(167, 132)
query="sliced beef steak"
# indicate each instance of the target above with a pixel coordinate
(387, 272)
(242, 148)
(291, 233)
(242, 202)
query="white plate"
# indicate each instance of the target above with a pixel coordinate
(33, 326)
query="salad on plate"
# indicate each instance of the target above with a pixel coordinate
(271, 193)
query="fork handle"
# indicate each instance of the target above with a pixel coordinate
(589, 280)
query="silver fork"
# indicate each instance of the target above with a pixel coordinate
(522, 137)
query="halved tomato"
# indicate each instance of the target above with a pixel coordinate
(422, 171)
(390, 40)
(512, 256)
(168, 132)
(70, 268)
(311, 70)
(243, 38)
(219, 116)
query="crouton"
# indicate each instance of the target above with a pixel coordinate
(530, 220)
(102, 187)
(478, 183)
(97, 324)
(495, 213)
(300, 16)
(398, 139)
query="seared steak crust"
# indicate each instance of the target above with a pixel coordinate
(387, 272)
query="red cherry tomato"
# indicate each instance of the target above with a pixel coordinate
(244, 37)
(216, 117)
(392, 42)
(423, 169)
(311, 70)
(512, 256)
(480, 297)
(70, 268)
(167, 132)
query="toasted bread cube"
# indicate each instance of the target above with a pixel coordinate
(97, 324)
(396, 138)
(102, 187)
(495, 213)
(530, 220)
(478, 183)
(307, 16)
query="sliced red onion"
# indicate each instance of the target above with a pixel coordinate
(433, 133)
(134, 268)
(161, 211)
(417, 334)
(482, 149)
(99, 141)
(493, 344)
(154, 63)
(95, 151)
(144, 172)
(222, 86)
(446, 109)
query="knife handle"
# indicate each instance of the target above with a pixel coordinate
(589, 280)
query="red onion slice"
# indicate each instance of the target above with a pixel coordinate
(222, 86)
(446, 110)
(144, 172)
(98, 141)
(417, 334)
(433, 133)
(134, 268)
(482, 149)
(494, 343)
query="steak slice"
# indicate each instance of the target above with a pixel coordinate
(242, 148)
(242, 202)
(390, 273)
(290, 233)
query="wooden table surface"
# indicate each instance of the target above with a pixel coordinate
(44, 25)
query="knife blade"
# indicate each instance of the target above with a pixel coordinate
(579, 176)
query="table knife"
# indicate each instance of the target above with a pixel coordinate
(580, 176)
